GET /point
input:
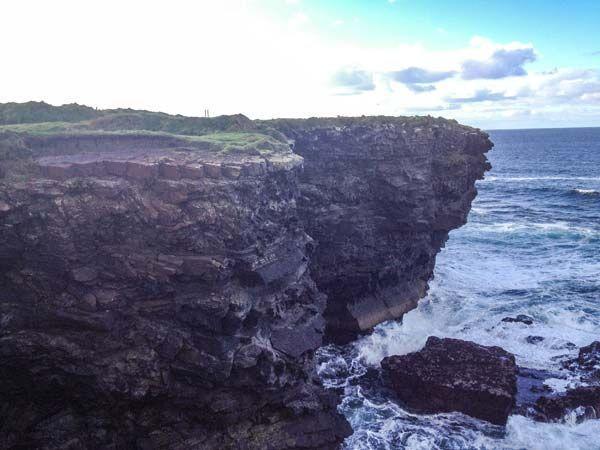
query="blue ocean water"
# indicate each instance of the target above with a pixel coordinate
(531, 246)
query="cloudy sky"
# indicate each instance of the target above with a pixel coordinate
(492, 64)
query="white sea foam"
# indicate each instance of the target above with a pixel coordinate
(394, 338)
(479, 211)
(587, 191)
(543, 227)
(542, 178)
(523, 433)
(558, 384)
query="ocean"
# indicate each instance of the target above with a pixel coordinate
(531, 246)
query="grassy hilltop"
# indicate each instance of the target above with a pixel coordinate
(222, 133)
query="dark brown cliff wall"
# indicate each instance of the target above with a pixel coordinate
(379, 196)
(155, 298)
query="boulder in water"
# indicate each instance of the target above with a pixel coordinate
(455, 375)
(521, 318)
(589, 359)
(534, 339)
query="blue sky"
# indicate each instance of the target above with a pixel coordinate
(492, 64)
(567, 33)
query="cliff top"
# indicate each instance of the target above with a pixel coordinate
(220, 134)
(78, 117)
(68, 137)
(62, 138)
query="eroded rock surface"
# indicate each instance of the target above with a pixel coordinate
(582, 402)
(157, 292)
(454, 375)
(379, 196)
(577, 403)
(154, 298)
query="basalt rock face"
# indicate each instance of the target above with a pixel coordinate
(158, 292)
(455, 375)
(379, 195)
(155, 297)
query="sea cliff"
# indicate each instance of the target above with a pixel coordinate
(164, 281)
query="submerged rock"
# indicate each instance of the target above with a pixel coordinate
(582, 402)
(454, 375)
(521, 318)
(534, 339)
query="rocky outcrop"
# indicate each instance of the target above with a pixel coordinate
(379, 196)
(582, 403)
(484, 382)
(587, 363)
(161, 291)
(579, 403)
(454, 375)
(157, 298)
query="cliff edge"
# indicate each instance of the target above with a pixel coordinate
(164, 280)
(380, 195)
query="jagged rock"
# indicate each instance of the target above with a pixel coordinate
(583, 401)
(521, 318)
(534, 339)
(538, 401)
(455, 375)
(589, 359)
(156, 293)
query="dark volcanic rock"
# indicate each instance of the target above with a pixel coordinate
(583, 401)
(521, 318)
(158, 294)
(587, 363)
(534, 339)
(149, 311)
(589, 359)
(454, 375)
(379, 195)
(539, 402)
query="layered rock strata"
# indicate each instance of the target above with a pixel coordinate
(154, 297)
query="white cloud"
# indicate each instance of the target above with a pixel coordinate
(230, 56)
(502, 63)
(353, 81)
(481, 95)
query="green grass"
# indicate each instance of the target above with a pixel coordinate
(36, 112)
(39, 128)
(225, 135)
(244, 143)
(221, 143)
